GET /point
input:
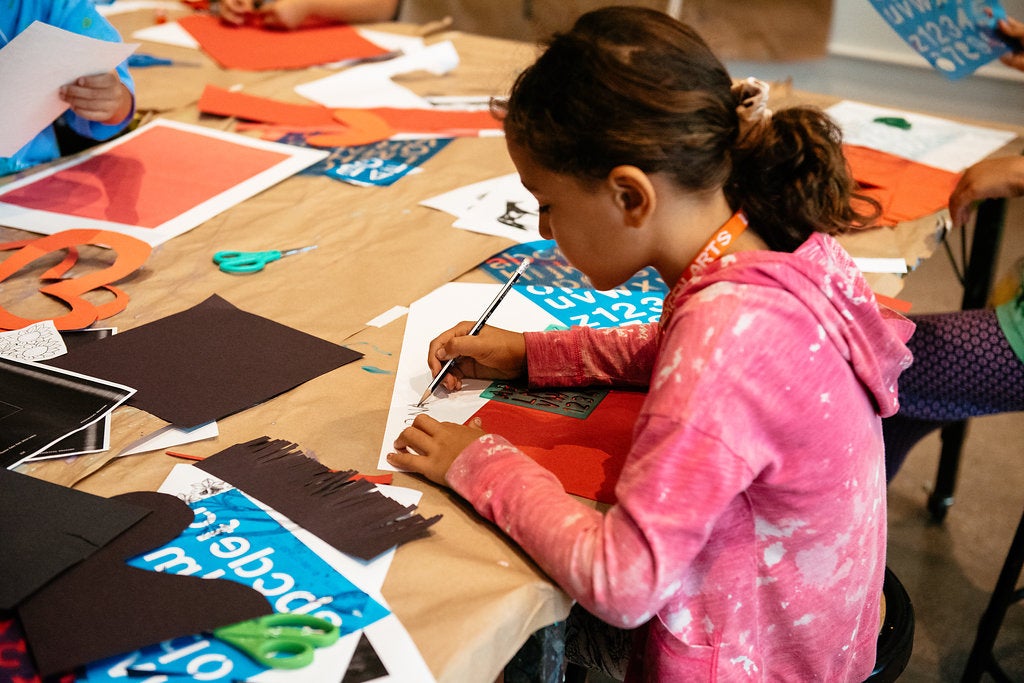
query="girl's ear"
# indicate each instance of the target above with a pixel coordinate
(633, 194)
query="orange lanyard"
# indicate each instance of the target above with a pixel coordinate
(711, 252)
(717, 245)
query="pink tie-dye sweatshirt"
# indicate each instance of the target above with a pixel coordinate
(749, 533)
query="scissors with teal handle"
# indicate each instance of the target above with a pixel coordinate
(280, 641)
(252, 261)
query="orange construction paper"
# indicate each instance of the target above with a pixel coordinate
(898, 305)
(442, 121)
(907, 190)
(130, 254)
(258, 49)
(148, 180)
(364, 127)
(223, 102)
(586, 455)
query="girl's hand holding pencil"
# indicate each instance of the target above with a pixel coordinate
(493, 353)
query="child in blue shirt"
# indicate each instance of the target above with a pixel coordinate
(101, 105)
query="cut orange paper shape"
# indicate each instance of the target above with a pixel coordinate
(437, 120)
(586, 455)
(364, 127)
(130, 253)
(906, 189)
(222, 102)
(258, 49)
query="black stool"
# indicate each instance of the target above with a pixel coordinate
(1006, 593)
(895, 637)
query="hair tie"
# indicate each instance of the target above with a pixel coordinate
(752, 109)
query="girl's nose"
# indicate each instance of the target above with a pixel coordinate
(544, 227)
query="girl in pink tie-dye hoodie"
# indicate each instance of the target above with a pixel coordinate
(748, 540)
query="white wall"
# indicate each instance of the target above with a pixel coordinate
(859, 31)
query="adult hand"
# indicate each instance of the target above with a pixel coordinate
(987, 179)
(236, 11)
(1012, 28)
(494, 353)
(285, 14)
(436, 445)
(101, 97)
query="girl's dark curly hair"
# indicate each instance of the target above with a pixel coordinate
(632, 86)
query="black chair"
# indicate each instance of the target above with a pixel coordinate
(895, 637)
(982, 659)
(978, 273)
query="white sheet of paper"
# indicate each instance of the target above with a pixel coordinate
(48, 223)
(125, 6)
(170, 33)
(428, 317)
(880, 265)
(33, 67)
(930, 140)
(170, 436)
(38, 341)
(389, 638)
(499, 206)
(370, 85)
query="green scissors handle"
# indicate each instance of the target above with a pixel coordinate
(280, 641)
(251, 261)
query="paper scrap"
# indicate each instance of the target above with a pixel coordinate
(169, 437)
(38, 341)
(370, 85)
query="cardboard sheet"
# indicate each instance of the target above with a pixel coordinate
(102, 607)
(208, 362)
(256, 49)
(47, 528)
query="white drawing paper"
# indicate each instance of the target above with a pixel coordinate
(930, 140)
(430, 316)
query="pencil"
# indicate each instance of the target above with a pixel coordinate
(477, 326)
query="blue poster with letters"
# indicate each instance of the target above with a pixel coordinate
(232, 538)
(955, 36)
(555, 285)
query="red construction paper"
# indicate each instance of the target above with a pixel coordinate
(257, 49)
(130, 253)
(906, 189)
(586, 455)
(223, 102)
(147, 180)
